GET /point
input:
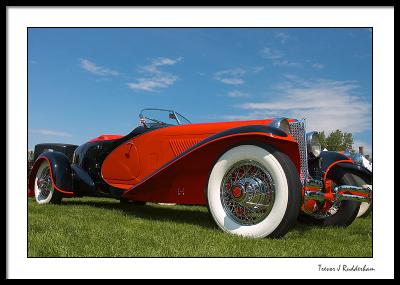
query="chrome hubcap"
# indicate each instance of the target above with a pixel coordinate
(44, 184)
(247, 192)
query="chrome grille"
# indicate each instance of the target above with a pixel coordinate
(298, 132)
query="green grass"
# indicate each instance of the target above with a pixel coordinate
(93, 227)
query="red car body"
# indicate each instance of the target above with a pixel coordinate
(157, 167)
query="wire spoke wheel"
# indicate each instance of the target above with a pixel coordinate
(44, 184)
(44, 189)
(254, 191)
(247, 192)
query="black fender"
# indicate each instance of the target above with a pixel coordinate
(355, 169)
(60, 170)
(245, 129)
(330, 161)
(327, 158)
(82, 182)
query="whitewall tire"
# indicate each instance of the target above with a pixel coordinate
(254, 191)
(44, 188)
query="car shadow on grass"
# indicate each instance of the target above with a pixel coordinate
(175, 213)
(179, 214)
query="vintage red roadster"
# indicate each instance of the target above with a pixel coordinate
(257, 177)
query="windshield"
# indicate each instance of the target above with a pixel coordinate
(150, 117)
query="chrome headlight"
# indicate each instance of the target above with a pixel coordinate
(282, 123)
(313, 144)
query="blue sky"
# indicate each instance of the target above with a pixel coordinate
(87, 82)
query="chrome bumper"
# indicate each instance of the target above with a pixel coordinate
(364, 193)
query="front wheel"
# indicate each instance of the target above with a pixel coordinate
(254, 191)
(44, 188)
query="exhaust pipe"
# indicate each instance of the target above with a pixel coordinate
(337, 194)
(349, 197)
(365, 189)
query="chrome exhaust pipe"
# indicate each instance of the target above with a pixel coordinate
(365, 189)
(320, 196)
(349, 197)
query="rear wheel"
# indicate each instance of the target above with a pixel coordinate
(254, 191)
(44, 188)
(339, 213)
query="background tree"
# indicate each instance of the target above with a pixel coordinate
(322, 139)
(347, 141)
(336, 141)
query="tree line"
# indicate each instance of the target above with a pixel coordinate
(336, 141)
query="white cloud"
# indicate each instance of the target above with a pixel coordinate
(318, 65)
(152, 83)
(257, 69)
(272, 54)
(232, 81)
(155, 78)
(285, 62)
(282, 37)
(166, 61)
(153, 67)
(96, 69)
(235, 76)
(231, 76)
(327, 104)
(278, 58)
(52, 133)
(237, 94)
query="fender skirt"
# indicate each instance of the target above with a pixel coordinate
(60, 172)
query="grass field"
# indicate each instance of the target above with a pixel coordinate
(93, 227)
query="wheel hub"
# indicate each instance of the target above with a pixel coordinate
(246, 189)
(247, 192)
(237, 192)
